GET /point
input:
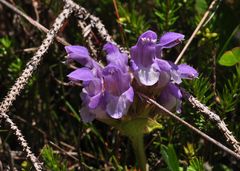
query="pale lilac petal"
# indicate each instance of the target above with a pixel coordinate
(94, 101)
(175, 91)
(115, 81)
(81, 74)
(86, 115)
(133, 66)
(129, 94)
(175, 77)
(168, 101)
(163, 65)
(170, 39)
(93, 87)
(92, 94)
(171, 97)
(114, 56)
(118, 105)
(187, 71)
(164, 79)
(143, 56)
(147, 76)
(143, 53)
(79, 54)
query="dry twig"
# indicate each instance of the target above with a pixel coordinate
(83, 15)
(212, 5)
(23, 79)
(205, 136)
(32, 21)
(213, 117)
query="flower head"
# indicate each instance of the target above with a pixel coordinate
(145, 56)
(106, 90)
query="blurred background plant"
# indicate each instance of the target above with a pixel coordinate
(48, 109)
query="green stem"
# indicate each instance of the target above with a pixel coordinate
(138, 146)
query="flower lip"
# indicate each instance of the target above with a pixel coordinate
(187, 71)
(148, 40)
(170, 39)
(148, 37)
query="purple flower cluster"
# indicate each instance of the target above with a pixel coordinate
(149, 69)
(107, 90)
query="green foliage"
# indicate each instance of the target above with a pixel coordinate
(201, 6)
(132, 21)
(49, 110)
(202, 89)
(196, 165)
(231, 57)
(5, 44)
(170, 157)
(52, 161)
(229, 97)
(166, 13)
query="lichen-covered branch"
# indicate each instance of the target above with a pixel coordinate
(23, 80)
(215, 118)
(95, 22)
(205, 136)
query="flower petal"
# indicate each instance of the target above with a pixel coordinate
(187, 71)
(170, 39)
(79, 54)
(81, 74)
(143, 53)
(133, 66)
(175, 91)
(94, 101)
(86, 115)
(147, 76)
(164, 79)
(114, 56)
(118, 105)
(115, 80)
(93, 87)
(163, 65)
(147, 37)
(171, 97)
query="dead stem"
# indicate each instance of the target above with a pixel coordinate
(205, 136)
(211, 6)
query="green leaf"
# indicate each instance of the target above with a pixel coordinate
(170, 157)
(201, 6)
(231, 57)
(196, 165)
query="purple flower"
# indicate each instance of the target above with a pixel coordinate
(187, 71)
(106, 90)
(92, 92)
(79, 54)
(144, 56)
(115, 57)
(119, 93)
(170, 39)
(171, 97)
